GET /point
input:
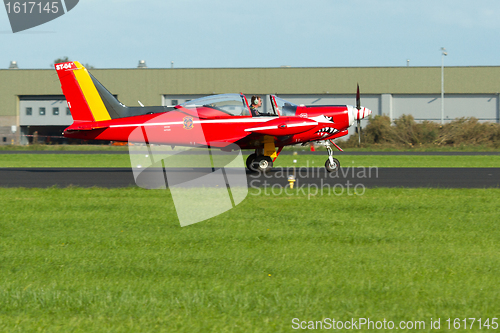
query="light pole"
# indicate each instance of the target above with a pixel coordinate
(443, 54)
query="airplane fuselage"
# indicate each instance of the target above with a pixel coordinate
(182, 129)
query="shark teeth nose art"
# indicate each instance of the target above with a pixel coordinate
(326, 131)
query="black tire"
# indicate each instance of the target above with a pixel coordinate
(249, 161)
(262, 164)
(334, 167)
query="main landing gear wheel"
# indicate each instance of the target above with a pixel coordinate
(262, 164)
(332, 167)
(250, 159)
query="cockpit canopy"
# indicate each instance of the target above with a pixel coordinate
(283, 107)
(224, 105)
(230, 104)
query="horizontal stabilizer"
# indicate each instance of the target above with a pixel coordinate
(85, 126)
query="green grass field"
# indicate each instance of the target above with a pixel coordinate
(123, 160)
(116, 260)
(394, 161)
(69, 148)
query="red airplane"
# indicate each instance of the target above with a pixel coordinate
(222, 120)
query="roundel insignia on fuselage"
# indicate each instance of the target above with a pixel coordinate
(188, 122)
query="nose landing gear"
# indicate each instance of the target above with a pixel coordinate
(331, 164)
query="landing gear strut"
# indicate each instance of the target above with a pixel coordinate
(263, 158)
(331, 164)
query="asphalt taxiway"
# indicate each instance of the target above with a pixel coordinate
(368, 177)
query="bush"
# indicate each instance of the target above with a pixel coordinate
(469, 131)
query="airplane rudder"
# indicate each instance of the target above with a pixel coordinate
(79, 108)
(83, 86)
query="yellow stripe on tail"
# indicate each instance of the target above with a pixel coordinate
(89, 90)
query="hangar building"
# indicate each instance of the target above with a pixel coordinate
(31, 99)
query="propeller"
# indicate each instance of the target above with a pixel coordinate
(358, 106)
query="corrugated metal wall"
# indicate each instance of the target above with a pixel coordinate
(470, 91)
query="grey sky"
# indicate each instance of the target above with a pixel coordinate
(220, 33)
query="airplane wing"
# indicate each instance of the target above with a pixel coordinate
(283, 126)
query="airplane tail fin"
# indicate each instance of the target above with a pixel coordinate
(87, 98)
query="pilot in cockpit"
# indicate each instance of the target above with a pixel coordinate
(256, 103)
